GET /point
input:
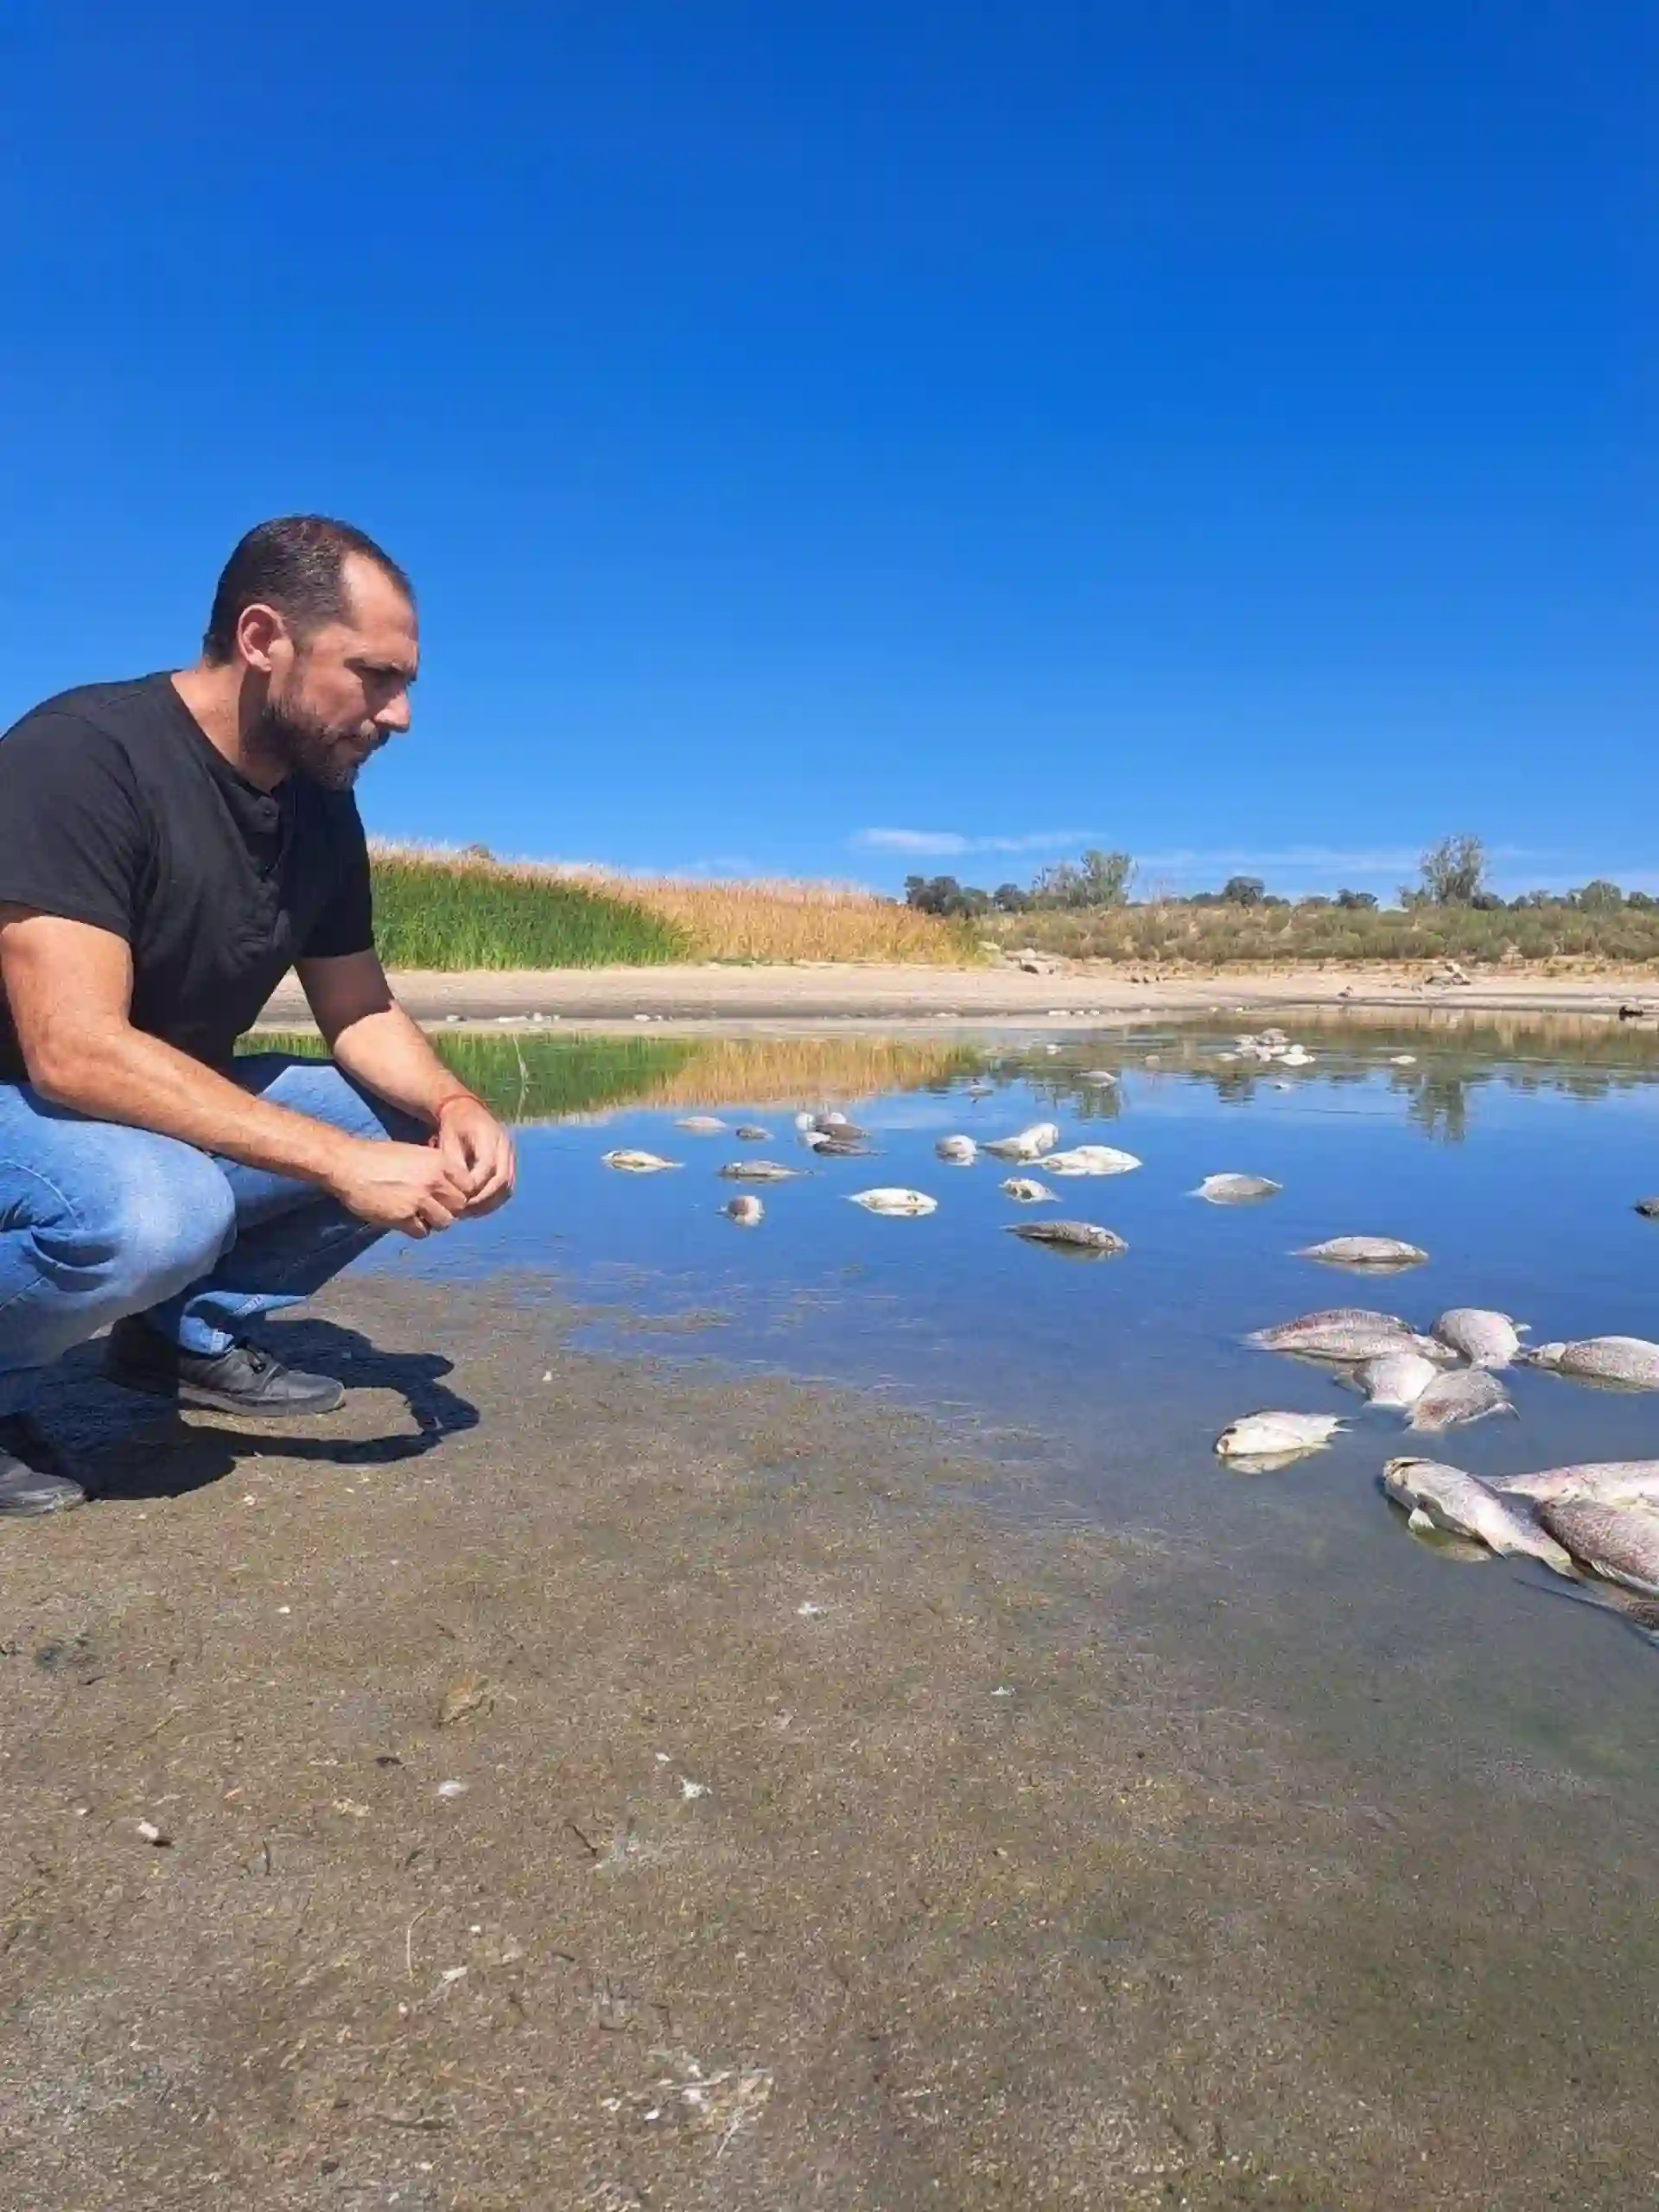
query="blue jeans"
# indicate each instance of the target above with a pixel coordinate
(97, 1221)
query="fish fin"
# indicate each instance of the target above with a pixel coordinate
(1419, 1520)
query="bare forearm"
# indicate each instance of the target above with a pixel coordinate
(113, 1072)
(385, 1051)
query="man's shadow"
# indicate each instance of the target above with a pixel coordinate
(124, 1447)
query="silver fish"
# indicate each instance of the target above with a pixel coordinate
(1447, 1497)
(759, 1171)
(838, 1127)
(1276, 1435)
(1485, 1339)
(1631, 1362)
(1620, 1543)
(632, 1162)
(1236, 1190)
(1343, 1332)
(890, 1199)
(746, 1132)
(1091, 1160)
(701, 1125)
(961, 1151)
(1029, 1144)
(1079, 1236)
(1363, 1252)
(1452, 1399)
(1395, 1379)
(1595, 1482)
(747, 1213)
(1026, 1192)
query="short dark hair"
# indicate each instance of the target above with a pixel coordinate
(293, 565)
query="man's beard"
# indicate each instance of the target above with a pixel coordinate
(301, 745)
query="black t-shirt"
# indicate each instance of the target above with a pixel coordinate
(116, 809)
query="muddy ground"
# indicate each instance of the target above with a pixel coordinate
(820, 1840)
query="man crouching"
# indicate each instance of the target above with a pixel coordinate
(170, 847)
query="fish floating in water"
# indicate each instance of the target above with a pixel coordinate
(1029, 1144)
(760, 1171)
(701, 1125)
(1074, 1236)
(1447, 1497)
(746, 1132)
(1276, 1435)
(961, 1151)
(1236, 1190)
(1620, 1543)
(1485, 1339)
(1630, 1362)
(893, 1200)
(747, 1213)
(1451, 1400)
(1395, 1379)
(1596, 1482)
(1348, 1333)
(1102, 1076)
(838, 1129)
(1025, 1191)
(636, 1163)
(1363, 1252)
(1091, 1160)
(1648, 1208)
(832, 1145)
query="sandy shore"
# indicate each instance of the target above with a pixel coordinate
(588, 1787)
(604, 996)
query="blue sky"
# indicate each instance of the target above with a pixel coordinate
(839, 437)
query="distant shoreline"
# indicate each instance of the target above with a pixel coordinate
(1079, 996)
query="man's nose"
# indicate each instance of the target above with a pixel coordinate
(394, 718)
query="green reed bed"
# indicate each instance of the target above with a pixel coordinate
(434, 913)
(527, 1079)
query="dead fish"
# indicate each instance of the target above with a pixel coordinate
(759, 1171)
(747, 1213)
(1344, 1332)
(1595, 1482)
(1629, 1362)
(1403, 1060)
(890, 1199)
(1103, 1077)
(746, 1132)
(1620, 1543)
(1363, 1252)
(1029, 1144)
(1078, 1235)
(961, 1151)
(1276, 1435)
(1447, 1498)
(1395, 1379)
(839, 1128)
(636, 1163)
(830, 1145)
(1091, 1160)
(1648, 1208)
(1236, 1190)
(1452, 1399)
(1485, 1339)
(1027, 1192)
(701, 1125)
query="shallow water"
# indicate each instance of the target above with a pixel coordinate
(1513, 1155)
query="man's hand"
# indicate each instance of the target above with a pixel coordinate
(478, 1153)
(407, 1186)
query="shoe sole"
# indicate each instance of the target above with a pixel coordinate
(218, 1401)
(38, 1509)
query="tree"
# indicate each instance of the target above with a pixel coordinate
(1454, 870)
(1599, 897)
(1640, 902)
(1354, 902)
(1243, 891)
(1106, 878)
(1010, 898)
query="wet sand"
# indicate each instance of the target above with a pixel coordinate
(825, 1840)
(1081, 996)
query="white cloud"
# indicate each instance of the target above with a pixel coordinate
(951, 844)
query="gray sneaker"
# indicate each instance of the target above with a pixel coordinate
(244, 1380)
(32, 1479)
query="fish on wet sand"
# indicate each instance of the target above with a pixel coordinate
(1396, 1380)
(1631, 1362)
(1447, 1498)
(701, 1125)
(1276, 1435)
(760, 1171)
(746, 1213)
(1363, 1252)
(1069, 1236)
(1025, 1191)
(891, 1199)
(1451, 1400)
(1346, 1332)
(1484, 1338)
(1618, 1542)
(1599, 1482)
(630, 1162)
(961, 1151)
(1229, 1190)
(1028, 1144)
